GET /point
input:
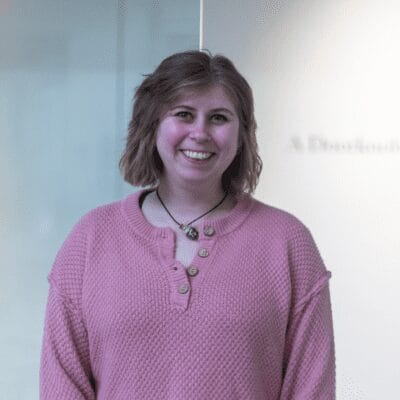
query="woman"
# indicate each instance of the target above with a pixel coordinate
(189, 288)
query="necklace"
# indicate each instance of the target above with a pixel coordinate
(191, 233)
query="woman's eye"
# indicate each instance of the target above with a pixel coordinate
(219, 118)
(183, 114)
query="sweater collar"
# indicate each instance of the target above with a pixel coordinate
(221, 225)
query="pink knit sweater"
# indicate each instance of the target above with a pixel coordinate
(250, 319)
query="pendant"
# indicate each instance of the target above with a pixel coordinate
(191, 232)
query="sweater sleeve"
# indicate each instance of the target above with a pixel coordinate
(309, 359)
(65, 370)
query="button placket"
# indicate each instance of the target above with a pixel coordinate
(185, 280)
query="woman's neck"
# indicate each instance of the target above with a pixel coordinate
(189, 203)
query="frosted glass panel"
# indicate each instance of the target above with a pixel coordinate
(67, 74)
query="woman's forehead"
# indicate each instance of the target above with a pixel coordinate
(211, 94)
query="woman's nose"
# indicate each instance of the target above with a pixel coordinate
(199, 130)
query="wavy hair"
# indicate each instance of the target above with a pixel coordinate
(140, 163)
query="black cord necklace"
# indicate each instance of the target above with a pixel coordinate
(191, 233)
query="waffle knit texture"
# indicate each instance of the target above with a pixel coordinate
(126, 321)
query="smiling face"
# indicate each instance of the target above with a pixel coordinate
(197, 137)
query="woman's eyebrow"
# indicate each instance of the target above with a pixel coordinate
(213, 110)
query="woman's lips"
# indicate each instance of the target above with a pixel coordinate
(197, 155)
(191, 155)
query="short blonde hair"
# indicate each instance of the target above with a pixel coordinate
(140, 163)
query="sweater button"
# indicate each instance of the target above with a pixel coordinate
(203, 253)
(183, 288)
(209, 230)
(192, 270)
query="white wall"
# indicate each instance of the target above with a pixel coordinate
(326, 80)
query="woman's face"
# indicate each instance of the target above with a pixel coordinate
(197, 137)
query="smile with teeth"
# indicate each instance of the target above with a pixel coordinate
(197, 155)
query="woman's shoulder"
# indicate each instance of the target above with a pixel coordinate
(275, 218)
(105, 210)
(102, 215)
(71, 257)
(307, 268)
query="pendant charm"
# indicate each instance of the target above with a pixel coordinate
(191, 232)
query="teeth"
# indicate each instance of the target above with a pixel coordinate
(197, 155)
